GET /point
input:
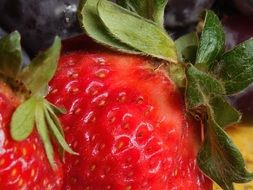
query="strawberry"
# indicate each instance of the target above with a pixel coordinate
(23, 165)
(27, 158)
(143, 111)
(126, 119)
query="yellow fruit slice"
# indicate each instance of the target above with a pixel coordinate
(243, 137)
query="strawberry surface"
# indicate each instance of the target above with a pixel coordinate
(23, 165)
(127, 121)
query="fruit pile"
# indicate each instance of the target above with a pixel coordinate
(124, 105)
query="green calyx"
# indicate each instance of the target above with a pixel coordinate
(150, 9)
(124, 30)
(212, 74)
(34, 111)
(206, 73)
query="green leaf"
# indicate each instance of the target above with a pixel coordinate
(23, 119)
(224, 113)
(11, 55)
(42, 68)
(44, 133)
(220, 159)
(38, 111)
(177, 74)
(201, 87)
(136, 31)
(149, 9)
(55, 109)
(203, 91)
(236, 67)
(92, 25)
(212, 42)
(54, 125)
(187, 47)
(53, 114)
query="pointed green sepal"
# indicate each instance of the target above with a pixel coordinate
(93, 27)
(102, 21)
(212, 42)
(44, 132)
(23, 120)
(55, 127)
(201, 87)
(137, 32)
(42, 68)
(55, 109)
(220, 159)
(187, 47)
(235, 68)
(224, 114)
(149, 9)
(36, 111)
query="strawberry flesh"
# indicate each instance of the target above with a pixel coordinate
(128, 123)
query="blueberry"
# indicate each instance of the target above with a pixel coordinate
(245, 6)
(2, 33)
(244, 103)
(39, 21)
(238, 28)
(181, 16)
(184, 12)
(26, 59)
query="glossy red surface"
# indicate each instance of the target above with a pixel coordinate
(127, 122)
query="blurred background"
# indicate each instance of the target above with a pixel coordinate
(39, 21)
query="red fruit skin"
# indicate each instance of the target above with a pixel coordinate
(23, 165)
(127, 122)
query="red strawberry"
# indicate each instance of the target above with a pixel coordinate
(23, 165)
(127, 121)
(27, 158)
